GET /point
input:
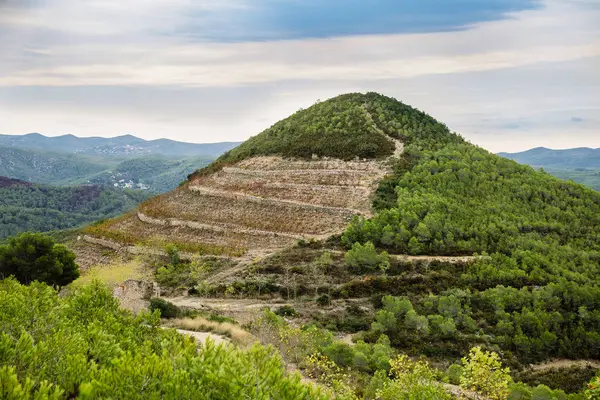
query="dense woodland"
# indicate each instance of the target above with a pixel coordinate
(26, 207)
(536, 296)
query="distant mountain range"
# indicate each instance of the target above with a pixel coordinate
(581, 165)
(582, 157)
(125, 161)
(126, 145)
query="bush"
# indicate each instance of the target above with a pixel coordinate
(167, 309)
(519, 391)
(35, 257)
(286, 311)
(454, 373)
(340, 353)
(364, 258)
(324, 300)
(542, 392)
(84, 346)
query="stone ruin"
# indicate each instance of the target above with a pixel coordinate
(135, 295)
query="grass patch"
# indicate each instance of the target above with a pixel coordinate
(113, 274)
(227, 329)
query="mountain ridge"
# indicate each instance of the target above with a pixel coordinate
(124, 145)
(581, 164)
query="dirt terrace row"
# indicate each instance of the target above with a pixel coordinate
(260, 214)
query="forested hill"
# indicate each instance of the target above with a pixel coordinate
(581, 165)
(538, 295)
(153, 173)
(7, 182)
(31, 207)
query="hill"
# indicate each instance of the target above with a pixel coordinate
(571, 159)
(366, 216)
(31, 207)
(119, 146)
(581, 165)
(156, 174)
(8, 182)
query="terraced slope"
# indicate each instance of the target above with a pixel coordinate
(306, 177)
(258, 204)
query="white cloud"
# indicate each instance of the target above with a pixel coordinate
(538, 65)
(559, 32)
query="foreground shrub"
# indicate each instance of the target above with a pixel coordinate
(483, 374)
(411, 380)
(83, 346)
(454, 373)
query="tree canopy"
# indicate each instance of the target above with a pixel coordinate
(35, 257)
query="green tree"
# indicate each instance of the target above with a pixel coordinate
(35, 257)
(484, 374)
(366, 258)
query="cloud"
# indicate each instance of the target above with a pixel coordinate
(106, 67)
(559, 32)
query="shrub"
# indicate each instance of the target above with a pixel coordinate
(83, 346)
(324, 300)
(542, 392)
(454, 373)
(167, 309)
(483, 373)
(364, 258)
(286, 311)
(340, 353)
(519, 391)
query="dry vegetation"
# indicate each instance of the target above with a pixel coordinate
(260, 205)
(230, 330)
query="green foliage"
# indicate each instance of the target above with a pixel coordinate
(165, 308)
(286, 311)
(593, 389)
(45, 208)
(365, 258)
(324, 300)
(483, 374)
(571, 380)
(411, 380)
(84, 346)
(455, 372)
(341, 127)
(173, 253)
(540, 238)
(35, 257)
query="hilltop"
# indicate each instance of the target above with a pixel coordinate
(304, 178)
(366, 216)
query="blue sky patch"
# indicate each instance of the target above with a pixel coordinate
(262, 20)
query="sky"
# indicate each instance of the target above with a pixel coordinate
(508, 75)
